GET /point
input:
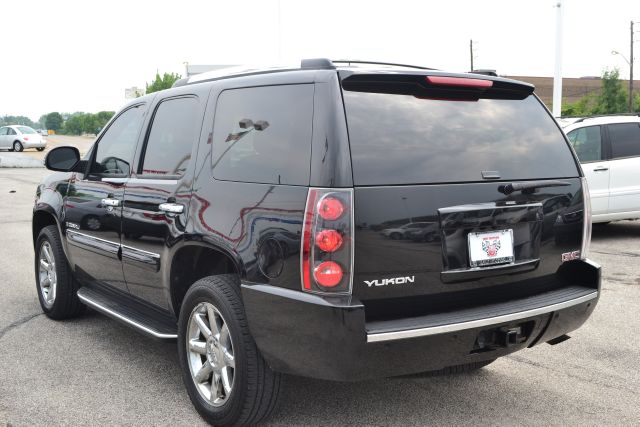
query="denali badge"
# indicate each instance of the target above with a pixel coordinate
(568, 256)
(393, 281)
(73, 225)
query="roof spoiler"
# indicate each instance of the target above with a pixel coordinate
(462, 87)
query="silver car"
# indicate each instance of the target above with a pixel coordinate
(17, 138)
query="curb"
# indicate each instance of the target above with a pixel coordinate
(20, 161)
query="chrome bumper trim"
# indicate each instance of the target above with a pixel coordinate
(442, 329)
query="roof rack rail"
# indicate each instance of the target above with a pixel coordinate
(582, 119)
(347, 61)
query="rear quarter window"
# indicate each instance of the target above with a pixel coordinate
(401, 139)
(625, 140)
(263, 135)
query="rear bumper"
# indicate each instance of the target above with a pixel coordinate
(328, 338)
(34, 144)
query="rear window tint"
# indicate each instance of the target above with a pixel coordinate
(401, 139)
(263, 135)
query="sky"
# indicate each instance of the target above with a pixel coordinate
(72, 56)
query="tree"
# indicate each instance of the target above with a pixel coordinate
(53, 121)
(74, 124)
(16, 120)
(41, 124)
(161, 83)
(613, 98)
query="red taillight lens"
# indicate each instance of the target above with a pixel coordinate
(330, 208)
(326, 253)
(329, 240)
(328, 274)
(459, 81)
(26, 138)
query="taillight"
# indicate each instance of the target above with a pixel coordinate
(26, 138)
(586, 225)
(330, 208)
(327, 243)
(329, 240)
(328, 274)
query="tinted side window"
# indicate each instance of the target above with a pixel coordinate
(175, 128)
(116, 147)
(11, 131)
(587, 143)
(3, 131)
(625, 139)
(263, 135)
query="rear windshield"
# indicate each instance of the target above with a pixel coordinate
(402, 139)
(26, 129)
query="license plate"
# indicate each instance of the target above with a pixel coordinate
(490, 248)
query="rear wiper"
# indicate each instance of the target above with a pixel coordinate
(529, 186)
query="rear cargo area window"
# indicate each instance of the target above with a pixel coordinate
(402, 139)
(625, 140)
(263, 135)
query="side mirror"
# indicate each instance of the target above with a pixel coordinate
(62, 159)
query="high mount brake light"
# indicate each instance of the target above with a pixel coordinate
(459, 81)
(326, 256)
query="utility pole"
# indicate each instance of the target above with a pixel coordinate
(471, 52)
(631, 72)
(557, 77)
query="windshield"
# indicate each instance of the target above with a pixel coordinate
(402, 139)
(26, 129)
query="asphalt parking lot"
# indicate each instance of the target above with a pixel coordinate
(95, 371)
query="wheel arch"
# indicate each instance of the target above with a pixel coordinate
(43, 217)
(193, 261)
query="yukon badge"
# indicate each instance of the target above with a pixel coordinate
(393, 281)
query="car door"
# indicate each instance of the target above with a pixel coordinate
(624, 184)
(588, 144)
(11, 137)
(4, 138)
(92, 206)
(157, 196)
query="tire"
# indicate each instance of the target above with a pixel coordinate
(17, 146)
(55, 283)
(254, 387)
(40, 148)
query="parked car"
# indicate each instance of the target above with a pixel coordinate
(428, 232)
(236, 220)
(609, 150)
(403, 231)
(17, 138)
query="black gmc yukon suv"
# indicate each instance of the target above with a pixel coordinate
(244, 215)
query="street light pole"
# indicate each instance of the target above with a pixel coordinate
(631, 73)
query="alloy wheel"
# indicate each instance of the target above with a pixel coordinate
(47, 274)
(210, 354)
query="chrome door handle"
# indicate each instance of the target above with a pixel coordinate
(111, 202)
(600, 169)
(173, 208)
